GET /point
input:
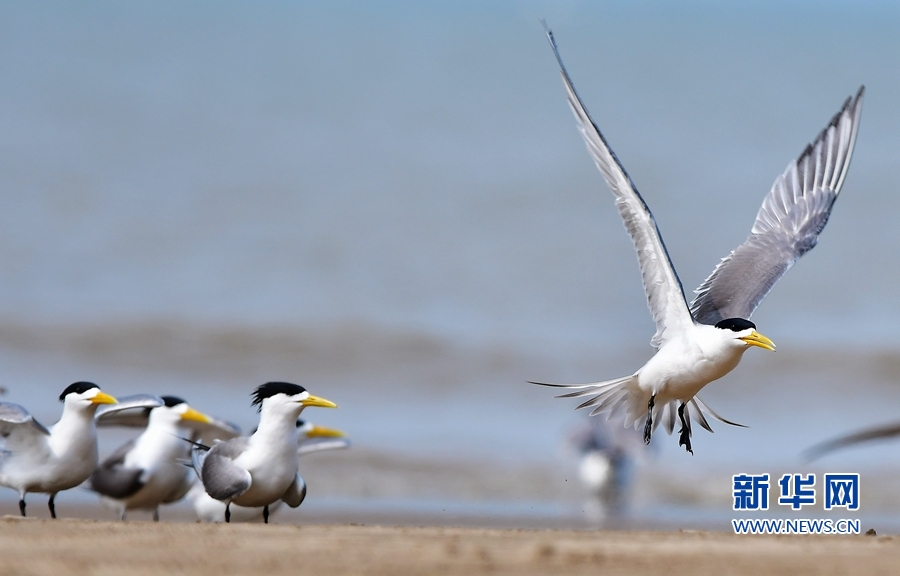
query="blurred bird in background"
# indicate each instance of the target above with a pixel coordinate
(150, 470)
(313, 438)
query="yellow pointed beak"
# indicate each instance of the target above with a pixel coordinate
(324, 432)
(196, 416)
(103, 398)
(320, 402)
(757, 339)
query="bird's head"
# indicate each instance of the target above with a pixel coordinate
(741, 330)
(176, 411)
(286, 398)
(85, 395)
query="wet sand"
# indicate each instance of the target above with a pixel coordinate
(36, 547)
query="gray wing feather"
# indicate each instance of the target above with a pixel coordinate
(128, 411)
(16, 419)
(113, 479)
(665, 294)
(787, 226)
(182, 489)
(321, 444)
(869, 435)
(13, 413)
(213, 431)
(127, 418)
(296, 492)
(222, 479)
(198, 455)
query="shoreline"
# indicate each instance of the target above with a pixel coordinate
(73, 546)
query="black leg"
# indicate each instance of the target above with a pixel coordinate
(156, 514)
(685, 438)
(228, 512)
(22, 505)
(266, 514)
(52, 506)
(648, 427)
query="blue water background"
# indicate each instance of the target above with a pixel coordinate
(411, 174)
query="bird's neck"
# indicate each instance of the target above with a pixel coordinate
(75, 428)
(276, 427)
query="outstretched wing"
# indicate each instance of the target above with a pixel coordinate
(310, 445)
(19, 431)
(130, 411)
(787, 226)
(134, 412)
(665, 295)
(880, 433)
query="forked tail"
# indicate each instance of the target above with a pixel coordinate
(623, 398)
(612, 397)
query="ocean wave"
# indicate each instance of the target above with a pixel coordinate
(192, 347)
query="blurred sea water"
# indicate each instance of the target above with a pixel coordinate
(390, 205)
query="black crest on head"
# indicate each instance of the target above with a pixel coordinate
(171, 401)
(76, 388)
(272, 388)
(735, 324)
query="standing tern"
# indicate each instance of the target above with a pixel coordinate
(312, 438)
(702, 342)
(35, 459)
(149, 470)
(260, 469)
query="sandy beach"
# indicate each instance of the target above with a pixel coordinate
(389, 204)
(36, 547)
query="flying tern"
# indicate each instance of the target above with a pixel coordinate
(35, 459)
(260, 469)
(149, 470)
(701, 342)
(312, 438)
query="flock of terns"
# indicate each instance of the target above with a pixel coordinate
(180, 452)
(247, 476)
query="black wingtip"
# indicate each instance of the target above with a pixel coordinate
(550, 385)
(549, 33)
(199, 445)
(850, 102)
(547, 30)
(552, 40)
(730, 423)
